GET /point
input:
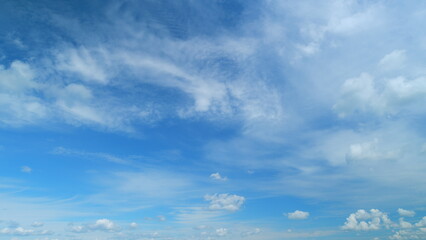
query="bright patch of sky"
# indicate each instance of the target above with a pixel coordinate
(211, 120)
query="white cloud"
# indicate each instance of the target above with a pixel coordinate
(20, 231)
(357, 94)
(78, 229)
(368, 152)
(252, 232)
(225, 201)
(394, 60)
(406, 213)
(133, 225)
(26, 169)
(18, 78)
(408, 234)
(19, 105)
(92, 155)
(217, 176)
(421, 223)
(77, 104)
(207, 93)
(83, 62)
(221, 232)
(369, 95)
(104, 224)
(26, 98)
(365, 221)
(333, 18)
(98, 70)
(404, 224)
(298, 215)
(37, 224)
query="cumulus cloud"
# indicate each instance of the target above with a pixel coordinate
(357, 94)
(225, 201)
(421, 223)
(409, 234)
(404, 224)
(374, 220)
(217, 176)
(298, 215)
(364, 221)
(221, 232)
(366, 94)
(104, 224)
(406, 213)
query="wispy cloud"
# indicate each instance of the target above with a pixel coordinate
(93, 155)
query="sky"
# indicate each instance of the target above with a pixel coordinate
(212, 120)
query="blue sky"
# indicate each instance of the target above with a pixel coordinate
(259, 120)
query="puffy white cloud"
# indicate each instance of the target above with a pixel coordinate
(421, 223)
(100, 225)
(365, 221)
(408, 234)
(225, 201)
(357, 94)
(217, 176)
(104, 225)
(221, 232)
(406, 213)
(133, 225)
(367, 94)
(404, 224)
(298, 215)
(26, 169)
